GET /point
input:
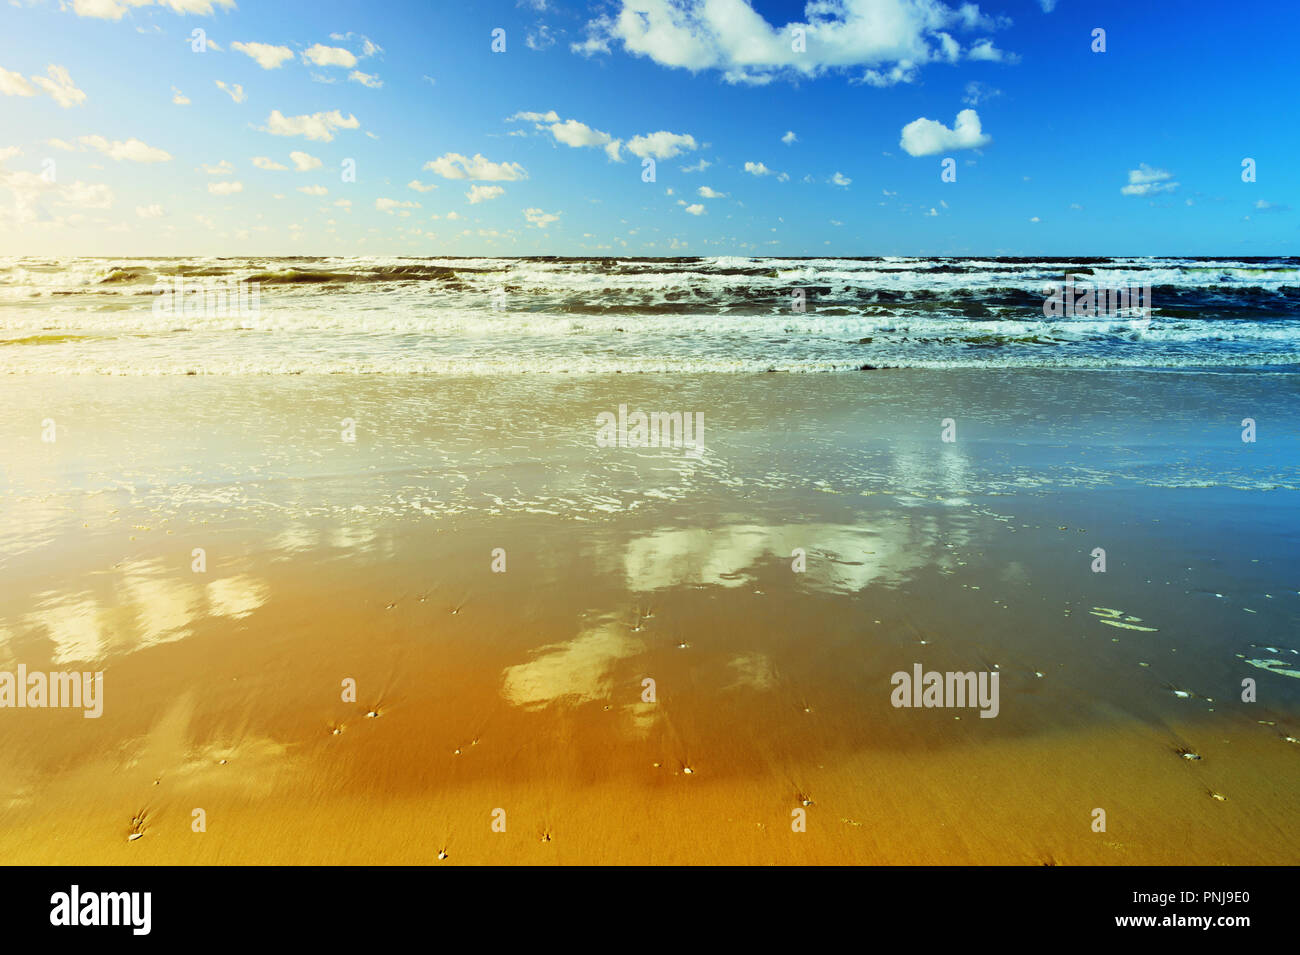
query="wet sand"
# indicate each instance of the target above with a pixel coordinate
(372, 560)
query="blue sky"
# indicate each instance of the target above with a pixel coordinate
(116, 138)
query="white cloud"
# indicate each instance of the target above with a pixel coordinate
(154, 211)
(977, 92)
(889, 39)
(576, 134)
(707, 193)
(571, 132)
(540, 38)
(313, 190)
(317, 126)
(1145, 181)
(661, 145)
(700, 166)
(456, 166)
(59, 85)
(391, 205)
(1047, 5)
(695, 210)
(304, 162)
(368, 46)
(479, 194)
(114, 9)
(132, 150)
(266, 162)
(839, 179)
(368, 80)
(223, 168)
(757, 169)
(925, 137)
(789, 138)
(539, 218)
(235, 91)
(421, 186)
(268, 57)
(225, 188)
(550, 116)
(985, 50)
(329, 56)
(15, 84)
(179, 98)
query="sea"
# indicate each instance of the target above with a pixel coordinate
(554, 315)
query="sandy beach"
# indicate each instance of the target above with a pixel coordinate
(499, 587)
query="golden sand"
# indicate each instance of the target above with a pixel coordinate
(522, 692)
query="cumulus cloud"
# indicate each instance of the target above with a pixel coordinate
(115, 9)
(661, 145)
(15, 84)
(313, 190)
(154, 211)
(304, 162)
(707, 193)
(223, 168)
(758, 169)
(329, 56)
(368, 80)
(571, 132)
(179, 98)
(456, 166)
(479, 194)
(1145, 181)
(550, 116)
(132, 150)
(925, 137)
(539, 218)
(839, 179)
(421, 186)
(266, 162)
(789, 138)
(696, 210)
(235, 91)
(268, 57)
(317, 126)
(59, 85)
(887, 39)
(225, 188)
(392, 205)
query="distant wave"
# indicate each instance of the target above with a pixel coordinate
(477, 315)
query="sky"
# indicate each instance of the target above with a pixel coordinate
(647, 127)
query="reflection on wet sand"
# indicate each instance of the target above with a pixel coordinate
(767, 598)
(142, 604)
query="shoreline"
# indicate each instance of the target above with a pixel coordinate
(373, 560)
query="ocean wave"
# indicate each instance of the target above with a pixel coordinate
(382, 314)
